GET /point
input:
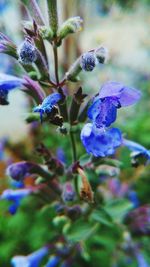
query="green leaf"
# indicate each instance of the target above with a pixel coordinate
(118, 208)
(80, 230)
(102, 217)
(85, 159)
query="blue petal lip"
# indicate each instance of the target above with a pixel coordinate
(100, 143)
(126, 95)
(135, 147)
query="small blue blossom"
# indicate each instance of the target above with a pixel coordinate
(20, 170)
(88, 61)
(32, 260)
(53, 261)
(112, 96)
(27, 52)
(141, 260)
(133, 197)
(100, 143)
(138, 150)
(8, 83)
(48, 103)
(15, 196)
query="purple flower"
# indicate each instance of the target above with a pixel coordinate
(32, 260)
(113, 95)
(139, 220)
(15, 196)
(100, 143)
(8, 83)
(138, 151)
(20, 170)
(53, 261)
(48, 103)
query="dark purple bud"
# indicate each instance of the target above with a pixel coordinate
(20, 170)
(139, 220)
(88, 61)
(74, 212)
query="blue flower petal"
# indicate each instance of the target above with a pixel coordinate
(48, 103)
(103, 112)
(32, 260)
(53, 261)
(126, 95)
(100, 143)
(135, 147)
(8, 82)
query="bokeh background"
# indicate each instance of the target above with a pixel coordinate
(121, 26)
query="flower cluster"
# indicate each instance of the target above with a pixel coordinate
(76, 202)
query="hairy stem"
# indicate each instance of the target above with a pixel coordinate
(56, 63)
(53, 17)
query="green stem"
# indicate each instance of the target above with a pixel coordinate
(73, 144)
(53, 17)
(56, 63)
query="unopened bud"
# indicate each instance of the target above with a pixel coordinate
(88, 61)
(46, 33)
(68, 193)
(72, 25)
(27, 53)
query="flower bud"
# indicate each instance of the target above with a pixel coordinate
(20, 170)
(74, 212)
(88, 61)
(68, 193)
(72, 25)
(27, 53)
(101, 54)
(46, 33)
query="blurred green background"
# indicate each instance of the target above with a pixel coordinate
(121, 26)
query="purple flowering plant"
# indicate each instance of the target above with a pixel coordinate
(81, 209)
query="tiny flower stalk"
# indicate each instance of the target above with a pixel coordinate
(75, 69)
(34, 89)
(53, 16)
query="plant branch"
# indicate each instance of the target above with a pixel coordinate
(56, 63)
